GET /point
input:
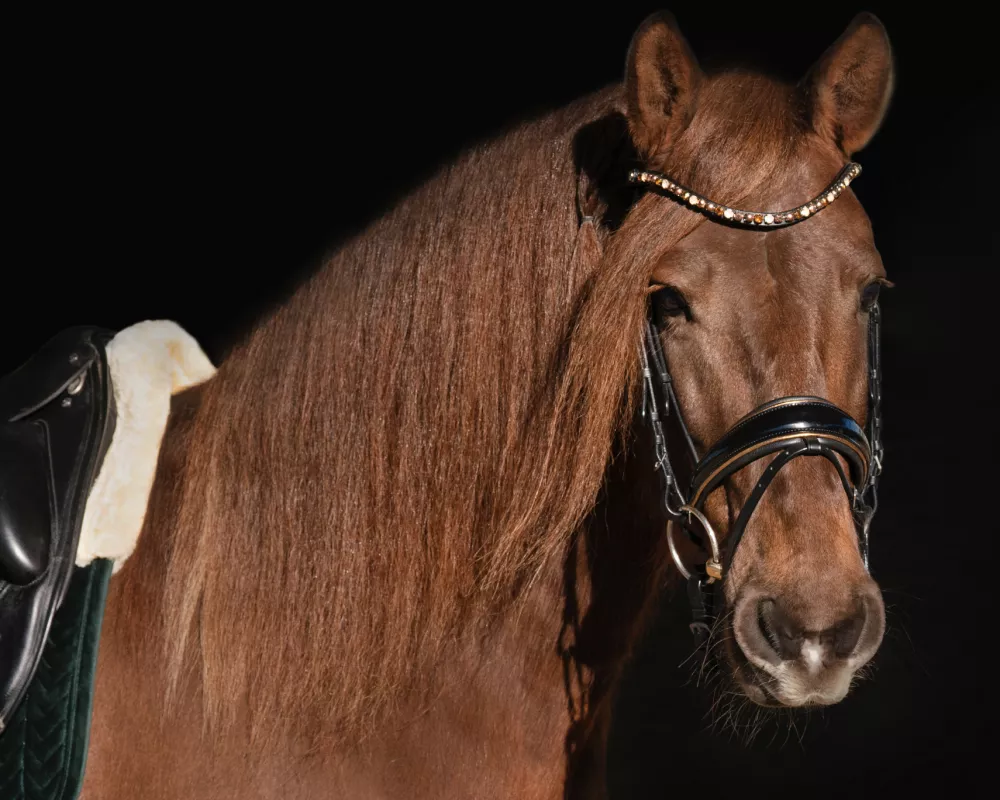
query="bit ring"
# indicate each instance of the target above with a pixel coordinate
(713, 566)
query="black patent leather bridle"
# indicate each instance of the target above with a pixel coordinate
(785, 428)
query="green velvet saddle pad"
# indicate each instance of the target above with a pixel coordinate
(43, 750)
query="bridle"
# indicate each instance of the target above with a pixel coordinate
(785, 428)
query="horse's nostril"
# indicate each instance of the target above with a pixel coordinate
(783, 629)
(756, 632)
(785, 639)
(802, 647)
(801, 628)
(764, 624)
(845, 635)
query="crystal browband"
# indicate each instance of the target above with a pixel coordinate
(749, 219)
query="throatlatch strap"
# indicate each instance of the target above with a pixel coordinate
(43, 751)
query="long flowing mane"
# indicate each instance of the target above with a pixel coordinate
(389, 457)
(388, 460)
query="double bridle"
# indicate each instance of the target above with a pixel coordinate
(786, 428)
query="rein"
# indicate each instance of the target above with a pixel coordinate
(785, 428)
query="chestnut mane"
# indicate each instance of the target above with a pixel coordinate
(390, 457)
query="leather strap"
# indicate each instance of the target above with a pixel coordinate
(776, 426)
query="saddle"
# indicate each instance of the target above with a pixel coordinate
(57, 416)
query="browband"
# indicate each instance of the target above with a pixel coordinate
(719, 212)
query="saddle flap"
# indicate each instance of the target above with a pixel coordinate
(25, 503)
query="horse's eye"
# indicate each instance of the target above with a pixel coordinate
(668, 302)
(869, 295)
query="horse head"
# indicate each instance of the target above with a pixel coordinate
(751, 308)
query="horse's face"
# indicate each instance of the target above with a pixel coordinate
(753, 316)
(768, 316)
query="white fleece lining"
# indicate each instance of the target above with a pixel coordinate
(148, 362)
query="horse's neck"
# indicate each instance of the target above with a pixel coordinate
(499, 683)
(513, 682)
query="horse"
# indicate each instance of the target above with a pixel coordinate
(406, 540)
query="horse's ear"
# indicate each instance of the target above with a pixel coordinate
(850, 86)
(661, 84)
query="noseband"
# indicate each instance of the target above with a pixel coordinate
(785, 428)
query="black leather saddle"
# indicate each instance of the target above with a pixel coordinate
(57, 416)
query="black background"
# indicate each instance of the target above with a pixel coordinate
(194, 168)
